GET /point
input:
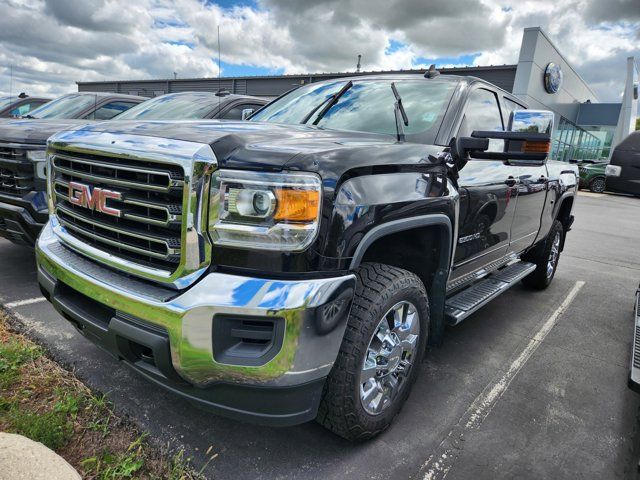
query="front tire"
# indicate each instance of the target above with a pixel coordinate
(382, 349)
(546, 256)
(598, 185)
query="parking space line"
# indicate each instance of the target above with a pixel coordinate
(22, 303)
(440, 462)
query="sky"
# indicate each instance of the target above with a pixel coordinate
(48, 45)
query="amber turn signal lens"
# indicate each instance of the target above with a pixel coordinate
(536, 147)
(297, 205)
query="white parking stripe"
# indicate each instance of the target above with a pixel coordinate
(441, 461)
(21, 303)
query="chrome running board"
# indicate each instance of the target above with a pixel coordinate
(464, 303)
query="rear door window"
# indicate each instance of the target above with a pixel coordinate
(235, 113)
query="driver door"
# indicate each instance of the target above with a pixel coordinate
(488, 191)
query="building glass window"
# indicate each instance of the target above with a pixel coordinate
(573, 143)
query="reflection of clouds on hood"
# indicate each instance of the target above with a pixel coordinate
(54, 43)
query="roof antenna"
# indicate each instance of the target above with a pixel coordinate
(358, 65)
(432, 72)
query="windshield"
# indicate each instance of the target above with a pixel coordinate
(67, 106)
(368, 106)
(173, 107)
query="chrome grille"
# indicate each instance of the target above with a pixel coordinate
(149, 229)
(16, 173)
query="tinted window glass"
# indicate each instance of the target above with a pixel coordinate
(236, 112)
(23, 109)
(68, 106)
(368, 106)
(110, 110)
(174, 107)
(482, 113)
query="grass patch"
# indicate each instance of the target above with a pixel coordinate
(42, 401)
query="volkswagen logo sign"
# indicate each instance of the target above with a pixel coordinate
(552, 78)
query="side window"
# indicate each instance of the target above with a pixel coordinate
(110, 110)
(23, 109)
(482, 113)
(236, 112)
(509, 107)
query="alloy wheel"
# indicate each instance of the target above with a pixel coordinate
(553, 255)
(598, 185)
(389, 357)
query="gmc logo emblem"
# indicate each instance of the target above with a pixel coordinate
(96, 199)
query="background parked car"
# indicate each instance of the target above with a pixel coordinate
(592, 176)
(20, 105)
(194, 106)
(23, 208)
(623, 172)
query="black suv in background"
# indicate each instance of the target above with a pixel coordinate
(20, 106)
(22, 143)
(623, 171)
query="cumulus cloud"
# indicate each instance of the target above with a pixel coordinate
(54, 43)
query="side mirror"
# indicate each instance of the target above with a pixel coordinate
(247, 112)
(528, 139)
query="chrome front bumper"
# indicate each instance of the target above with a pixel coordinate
(308, 347)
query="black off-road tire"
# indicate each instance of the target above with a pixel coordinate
(379, 287)
(540, 255)
(598, 185)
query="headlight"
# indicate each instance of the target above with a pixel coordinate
(613, 170)
(38, 157)
(268, 211)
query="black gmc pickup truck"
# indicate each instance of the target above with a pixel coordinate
(297, 265)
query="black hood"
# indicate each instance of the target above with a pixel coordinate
(260, 145)
(35, 130)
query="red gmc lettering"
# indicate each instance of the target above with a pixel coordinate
(96, 199)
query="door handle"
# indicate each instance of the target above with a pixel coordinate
(511, 182)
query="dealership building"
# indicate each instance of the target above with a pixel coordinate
(584, 128)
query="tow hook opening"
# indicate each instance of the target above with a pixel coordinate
(142, 353)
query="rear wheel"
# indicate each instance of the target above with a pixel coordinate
(545, 256)
(597, 185)
(382, 349)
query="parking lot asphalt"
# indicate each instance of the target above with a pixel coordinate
(532, 386)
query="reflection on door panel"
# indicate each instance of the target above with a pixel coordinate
(532, 193)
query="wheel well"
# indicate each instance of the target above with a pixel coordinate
(416, 250)
(424, 251)
(564, 216)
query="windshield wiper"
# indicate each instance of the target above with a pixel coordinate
(332, 101)
(401, 115)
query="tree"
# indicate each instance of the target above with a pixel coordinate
(638, 123)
